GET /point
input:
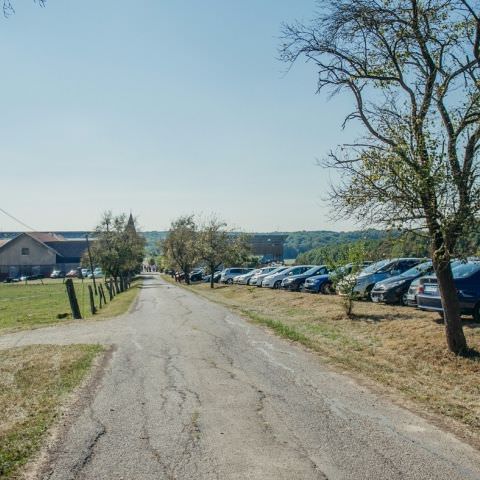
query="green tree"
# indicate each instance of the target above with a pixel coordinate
(412, 68)
(181, 246)
(219, 245)
(117, 247)
(345, 268)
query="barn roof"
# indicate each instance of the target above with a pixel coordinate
(68, 248)
(45, 237)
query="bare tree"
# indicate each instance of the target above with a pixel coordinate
(412, 68)
(8, 8)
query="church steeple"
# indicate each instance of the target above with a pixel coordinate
(131, 223)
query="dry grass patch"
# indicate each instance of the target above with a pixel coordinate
(399, 347)
(33, 382)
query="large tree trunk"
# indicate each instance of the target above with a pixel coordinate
(187, 276)
(451, 306)
(212, 271)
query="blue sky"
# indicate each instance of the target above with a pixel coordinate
(162, 107)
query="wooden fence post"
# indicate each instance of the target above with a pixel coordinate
(109, 288)
(72, 298)
(102, 294)
(92, 301)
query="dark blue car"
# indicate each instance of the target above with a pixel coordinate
(323, 283)
(467, 281)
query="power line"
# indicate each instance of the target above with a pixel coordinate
(16, 219)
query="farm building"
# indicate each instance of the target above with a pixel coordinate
(268, 246)
(38, 253)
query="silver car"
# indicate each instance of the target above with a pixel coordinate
(274, 280)
(245, 278)
(228, 274)
(257, 279)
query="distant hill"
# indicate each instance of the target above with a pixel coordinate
(303, 241)
(296, 243)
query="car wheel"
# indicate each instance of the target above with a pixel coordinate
(368, 293)
(476, 313)
(277, 284)
(326, 288)
(248, 282)
(229, 281)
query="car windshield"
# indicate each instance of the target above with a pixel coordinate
(417, 270)
(375, 267)
(313, 270)
(466, 269)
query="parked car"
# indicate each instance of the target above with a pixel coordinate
(295, 282)
(266, 271)
(37, 276)
(197, 275)
(394, 289)
(11, 280)
(324, 283)
(467, 281)
(216, 277)
(57, 274)
(228, 274)
(245, 278)
(85, 272)
(275, 280)
(73, 273)
(97, 273)
(381, 270)
(416, 286)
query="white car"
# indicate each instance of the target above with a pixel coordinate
(257, 279)
(245, 278)
(275, 280)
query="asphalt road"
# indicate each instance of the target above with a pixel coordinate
(193, 391)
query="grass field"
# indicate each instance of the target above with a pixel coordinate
(33, 304)
(34, 381)
(400, 348)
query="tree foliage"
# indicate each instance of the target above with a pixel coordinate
(181, 246)
(210, 243)
(219, 245)
(412, 68)
(117, 247)
(345, 267)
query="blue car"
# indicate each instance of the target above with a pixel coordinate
(380, 271)
(467, 281)
(324, 283)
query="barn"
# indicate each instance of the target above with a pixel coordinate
(39, 253)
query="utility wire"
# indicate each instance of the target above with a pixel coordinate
(16, 219)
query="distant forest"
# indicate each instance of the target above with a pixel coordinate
(313, 247)
(296, 242)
